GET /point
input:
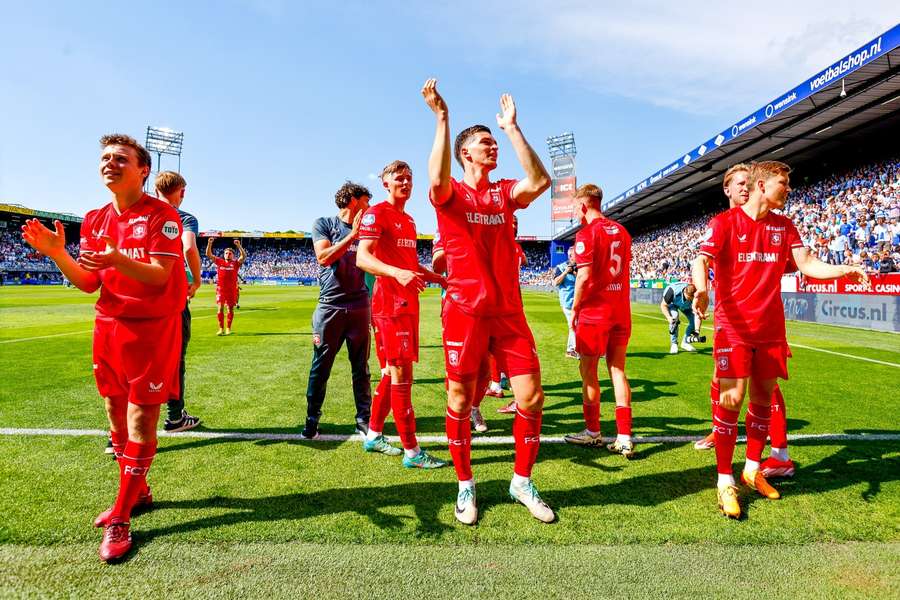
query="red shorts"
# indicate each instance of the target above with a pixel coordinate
(137, 358)
(227, 297)
(597, 339)
(736, 360)
(397, 339)
(467, 339)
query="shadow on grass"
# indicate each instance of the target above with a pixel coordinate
(427, 499)
(642, 390)
(871, 463)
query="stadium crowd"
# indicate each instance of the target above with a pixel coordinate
(17, 258)
(852, 218)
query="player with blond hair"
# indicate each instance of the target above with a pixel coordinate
(749, 247)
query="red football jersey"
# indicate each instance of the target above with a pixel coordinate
(750, 257)
(482, 262)
(226, 273)
(396, 235)
(605, 246)
(149, 228)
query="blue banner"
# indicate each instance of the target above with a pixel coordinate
(837, 71)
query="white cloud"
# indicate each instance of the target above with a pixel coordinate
(692, 56)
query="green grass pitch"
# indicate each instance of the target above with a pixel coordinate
(278, 518)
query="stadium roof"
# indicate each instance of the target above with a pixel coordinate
(32, 212)
(795, 126)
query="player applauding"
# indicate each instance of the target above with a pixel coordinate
(131, 251)
(483, 309)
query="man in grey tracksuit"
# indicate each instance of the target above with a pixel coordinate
(343, 313)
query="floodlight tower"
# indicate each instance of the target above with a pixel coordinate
(163, 140)
(562, 192)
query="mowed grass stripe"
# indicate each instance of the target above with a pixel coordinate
(260, 570)
(428, 439)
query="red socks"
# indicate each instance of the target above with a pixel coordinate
(778, 421)
(381, 404)
(725, 430)
(230, 318)
(757, 426)
(404, 417)
(133, 468)
(623, 420)
(459, 438)
(221, 318)
(714, 396)
(527, 434)
(495, 369)
(592, 416)
(119, 439)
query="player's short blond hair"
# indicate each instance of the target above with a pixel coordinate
(395, 167)
(732, 170)
(169, 182)
(764, 170)
(592, 191)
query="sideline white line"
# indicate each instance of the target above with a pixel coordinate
(434, 439)
(53, 335)
(872, 360)
(814, 349)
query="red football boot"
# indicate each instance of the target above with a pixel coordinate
(116, 541)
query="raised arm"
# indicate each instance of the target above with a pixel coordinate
(209, 254)
(439, 160)
(52, 244)
(536, 180)
(242, 254)
(811, 266)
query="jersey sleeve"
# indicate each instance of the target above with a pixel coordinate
(792, 235)
(219, 261)
(668, 294)
(320, 230)
(372, 225)
(437, 245)
(87, 242)
(164, 238)
(713, 237)
(189, 223)
(506, 191)
(454, 190)
(584, 248)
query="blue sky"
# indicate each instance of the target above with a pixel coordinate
(280, 102)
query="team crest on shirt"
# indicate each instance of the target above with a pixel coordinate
(139, 230)
(317, 340)
(579, 248)
(723, 363)
(368, 219)
(495, 197)
(776, 239)
(453, 358)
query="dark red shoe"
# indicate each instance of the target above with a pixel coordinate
(116, 541)
(144, 502)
